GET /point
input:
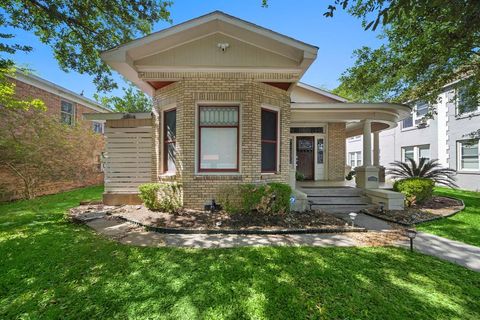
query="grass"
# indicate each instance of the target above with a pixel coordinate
(464, 226)
(52, 269)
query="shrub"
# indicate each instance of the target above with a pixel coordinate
(416, 190)
(267, 198)
(230, 198)
(299, 176)
(161, 196)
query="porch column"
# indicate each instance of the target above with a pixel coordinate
(376, 149)
(366, 176)
(367, 143)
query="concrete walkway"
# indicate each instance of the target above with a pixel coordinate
(366, 221)
(446, 249)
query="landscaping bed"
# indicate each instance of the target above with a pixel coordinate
(435, 208)
(206, 220)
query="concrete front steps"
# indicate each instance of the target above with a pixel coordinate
(337, 199)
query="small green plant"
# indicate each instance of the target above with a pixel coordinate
(416, 190)
(268, 198)
(350, 175)
(230, 198)
(299, 176)
(161, 196)
(429, 169)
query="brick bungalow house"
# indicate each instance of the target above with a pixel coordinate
(230, 109)
(64, 105)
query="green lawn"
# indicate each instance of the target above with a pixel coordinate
(465, 225)
(52, 269)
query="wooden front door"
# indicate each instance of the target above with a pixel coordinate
(305, 157)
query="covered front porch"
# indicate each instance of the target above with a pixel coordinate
(318, 134)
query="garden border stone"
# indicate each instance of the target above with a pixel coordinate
(420, 222)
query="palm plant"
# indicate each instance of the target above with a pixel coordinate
(429, 169)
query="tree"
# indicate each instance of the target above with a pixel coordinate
(37, 148)
(428, 169)
(7, 93)
(78, 31)
(428, 44)
(133, 100)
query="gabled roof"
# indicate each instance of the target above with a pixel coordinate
(53, 88)
(123, 58)
(321, 92)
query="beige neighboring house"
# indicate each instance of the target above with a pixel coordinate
(229, 108)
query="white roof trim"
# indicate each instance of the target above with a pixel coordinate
(216, 15)
(117, 115)
(321, 91)
(59, 91)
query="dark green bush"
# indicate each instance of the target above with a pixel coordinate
(266, 198)
(161, 196)
(416, 190)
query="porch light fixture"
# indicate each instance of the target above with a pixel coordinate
(223, 46)
(352, 216)
(411, 234)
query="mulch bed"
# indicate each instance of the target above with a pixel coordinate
(202, 220)
(435, 208)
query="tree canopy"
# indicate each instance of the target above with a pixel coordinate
(428, 45)
(133, 100)
(78, 31)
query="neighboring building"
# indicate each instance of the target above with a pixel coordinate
(446, 138)
(229, 109)
(69, 108)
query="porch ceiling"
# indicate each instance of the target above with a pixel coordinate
(383, 115)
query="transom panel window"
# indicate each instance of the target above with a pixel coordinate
(355, 159)
(67, 113)
(416, 152)
(269, 140)
(468, 154)
(169, 140)
(218, 138)
(420, 110)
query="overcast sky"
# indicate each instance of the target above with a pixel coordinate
(336, 38)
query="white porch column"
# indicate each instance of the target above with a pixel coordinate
(376, 149)
(366, 176)
(367, 143)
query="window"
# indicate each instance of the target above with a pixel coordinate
(169, 140)
(468, 155)
(218, 138)
(67, 113)
(466, 105)
(419, 111)
(97, 127)
(269, 140)
(355, 159)
(355, 138)
(320, 146)
(408, 153)
(416, 152)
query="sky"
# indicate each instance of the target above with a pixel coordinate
(336, 38)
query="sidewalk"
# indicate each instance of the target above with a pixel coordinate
(446, 249)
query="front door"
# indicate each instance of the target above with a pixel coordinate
(305, 157)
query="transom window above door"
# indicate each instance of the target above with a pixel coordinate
(218, 138)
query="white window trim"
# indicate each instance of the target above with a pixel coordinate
(206, 103)
(465, 114)
(459, 157)
(74, 112)
(102, 123)
(279, 115)
(356, 156)
(416, 152)
(415, 117)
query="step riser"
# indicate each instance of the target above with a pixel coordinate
(339, 208)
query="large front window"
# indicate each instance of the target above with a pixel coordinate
(416, 153)
(169, 140)
(218, 138)
(269, 140)
(67, 113)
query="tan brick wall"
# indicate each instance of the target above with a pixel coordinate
(336, 151)
(231, 89)
(9, 183)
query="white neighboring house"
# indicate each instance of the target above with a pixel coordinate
(444, 138)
